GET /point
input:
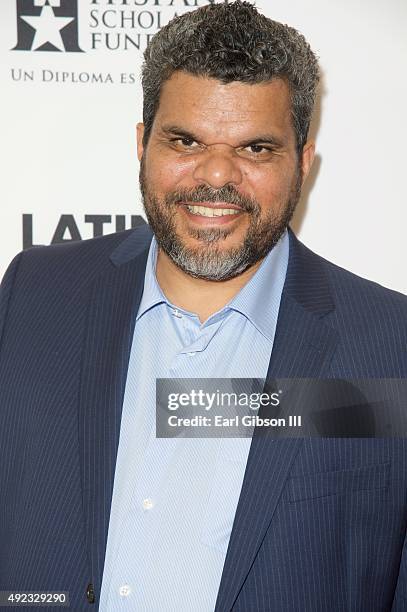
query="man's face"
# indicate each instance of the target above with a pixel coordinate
(220, 176)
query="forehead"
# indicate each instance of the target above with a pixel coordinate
(225, 112)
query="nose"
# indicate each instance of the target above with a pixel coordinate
(217, 167)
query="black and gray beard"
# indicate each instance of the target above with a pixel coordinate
(209, 261)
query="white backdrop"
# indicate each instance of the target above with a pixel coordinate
(68, 116)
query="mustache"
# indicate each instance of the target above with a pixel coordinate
(204, 193)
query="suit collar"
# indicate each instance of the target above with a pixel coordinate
(136, 244)
(307, 281)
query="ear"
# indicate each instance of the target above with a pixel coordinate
(140, 134)
(308, 154)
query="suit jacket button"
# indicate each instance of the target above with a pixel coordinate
(90, 593)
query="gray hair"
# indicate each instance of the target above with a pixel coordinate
(232, 42)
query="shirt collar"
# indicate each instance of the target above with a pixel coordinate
(152, 294)
(258, 300)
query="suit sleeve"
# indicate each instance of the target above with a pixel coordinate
(6, 289)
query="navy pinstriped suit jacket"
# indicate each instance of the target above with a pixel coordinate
(67, 314)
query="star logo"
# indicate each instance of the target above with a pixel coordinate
(47, 28)
(47, 25)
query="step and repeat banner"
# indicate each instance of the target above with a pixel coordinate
(71, 98)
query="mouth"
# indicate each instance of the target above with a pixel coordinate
(214, 213)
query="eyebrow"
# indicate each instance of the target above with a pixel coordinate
(175, 130)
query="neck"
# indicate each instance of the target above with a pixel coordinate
(197, 295)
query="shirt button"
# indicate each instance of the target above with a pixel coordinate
(124, 590)
(148, 503)
(191, 354)
(90, 593)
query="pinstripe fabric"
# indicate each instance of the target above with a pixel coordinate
(45, 515)
(316, 554)
(66, 318)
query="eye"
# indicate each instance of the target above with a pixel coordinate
(185, 142)
(257, 152)
(258, 149)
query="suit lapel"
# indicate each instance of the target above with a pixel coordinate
(114, 302)
(303, 347)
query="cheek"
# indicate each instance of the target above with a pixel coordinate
(271, 186)
(271, 192)
(165, 174)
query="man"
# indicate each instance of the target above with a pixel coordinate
(93, 503)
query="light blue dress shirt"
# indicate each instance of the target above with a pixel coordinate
(174, 500)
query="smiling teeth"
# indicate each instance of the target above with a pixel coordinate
(205, 211)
